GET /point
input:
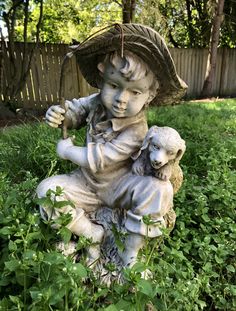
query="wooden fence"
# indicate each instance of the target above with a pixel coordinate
(42, 86)
(191, 67)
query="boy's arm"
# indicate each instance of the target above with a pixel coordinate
(67, 151)
(98, 156)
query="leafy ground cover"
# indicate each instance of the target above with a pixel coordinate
(193, 268)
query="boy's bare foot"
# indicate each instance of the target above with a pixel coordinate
(134, 242)
(94, 251)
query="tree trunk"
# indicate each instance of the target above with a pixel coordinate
(128, 10)
(212, 56)
(132, 14)
(190, 23)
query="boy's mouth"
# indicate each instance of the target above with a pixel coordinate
(118, 110)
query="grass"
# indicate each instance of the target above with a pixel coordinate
(194, 267)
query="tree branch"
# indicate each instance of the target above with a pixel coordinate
(16, 3)
(9, 19)
(27, 67)
(118, 2)
(25, 49)
(172, 40)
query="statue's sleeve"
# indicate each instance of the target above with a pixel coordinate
(80, 108)
(118, 150)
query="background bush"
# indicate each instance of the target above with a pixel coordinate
(193, 268)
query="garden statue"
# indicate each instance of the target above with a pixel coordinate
(125, 171)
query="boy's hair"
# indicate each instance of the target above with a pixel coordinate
(133, 67)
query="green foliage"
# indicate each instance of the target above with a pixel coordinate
(187, 23)
(193, 267)
(228, 37)
(181, 23)
(17, 18)
(67, 20)
(32, 148)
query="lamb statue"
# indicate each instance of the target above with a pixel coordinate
(159, 155)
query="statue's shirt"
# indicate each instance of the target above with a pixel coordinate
(110, 142)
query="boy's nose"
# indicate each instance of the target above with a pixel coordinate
(122, 98)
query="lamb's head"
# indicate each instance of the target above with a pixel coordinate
(164, 145)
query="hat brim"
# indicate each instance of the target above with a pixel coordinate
(145, 43)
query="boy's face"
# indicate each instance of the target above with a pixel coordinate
(122, 97)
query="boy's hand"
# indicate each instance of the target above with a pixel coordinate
(55, 116)
(138, 168)
(62, 147)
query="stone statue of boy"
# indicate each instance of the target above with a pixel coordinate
(116, 128)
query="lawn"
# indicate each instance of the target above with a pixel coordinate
(193, 268)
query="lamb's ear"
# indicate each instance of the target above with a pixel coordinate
(153, 130)
(181, 150)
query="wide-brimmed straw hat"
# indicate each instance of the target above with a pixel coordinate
(142, 41)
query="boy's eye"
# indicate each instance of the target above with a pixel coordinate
(156, 147)
(136, 92)
(113, 85)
